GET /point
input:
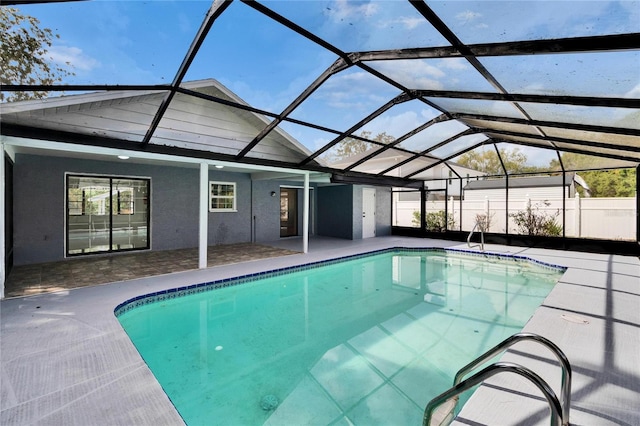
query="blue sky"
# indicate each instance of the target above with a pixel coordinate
(143, 42)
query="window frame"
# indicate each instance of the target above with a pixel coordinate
(233, 198)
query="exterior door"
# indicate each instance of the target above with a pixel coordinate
(288, 212)
(368, 213)
(106, 214)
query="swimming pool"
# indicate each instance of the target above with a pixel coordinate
(367, 340)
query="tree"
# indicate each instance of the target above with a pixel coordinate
(611, 183)
(351, 146)
(601, 183)
(487, 161)
(23, 54)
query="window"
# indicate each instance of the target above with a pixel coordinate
(223, 196)
(106, 214)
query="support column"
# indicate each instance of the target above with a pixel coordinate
(203, 216)
(487, 213)
(305, 215)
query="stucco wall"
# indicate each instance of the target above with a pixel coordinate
(383, 211)
(266, 210)
(340, 211)
(39, 207)
(39, 210)
(231, 227)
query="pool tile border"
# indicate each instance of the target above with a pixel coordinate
(159, 296)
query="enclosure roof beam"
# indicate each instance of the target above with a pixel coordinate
(604, 145)
(438, 119)
(426, 151)
(399, 99)
(216, 9)
(585, 151)
(554, 124)
(546, 99)
(606, 43)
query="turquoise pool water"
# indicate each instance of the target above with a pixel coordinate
(364, 341)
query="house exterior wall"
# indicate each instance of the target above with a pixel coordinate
(356, 209)
(383, 211)
(39, 206)
(339, 211)
(266, 210)
(230, 227)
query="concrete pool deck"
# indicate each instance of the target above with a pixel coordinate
(65, 360)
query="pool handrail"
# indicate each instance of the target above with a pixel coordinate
(481, 245)
(493, 369)
(565, 381)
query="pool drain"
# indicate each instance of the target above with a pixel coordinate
(269, 402)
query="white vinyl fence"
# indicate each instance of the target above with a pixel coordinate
(607, 218)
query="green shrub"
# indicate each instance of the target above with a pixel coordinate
(416, 219)
(435, 221)
(531, 221)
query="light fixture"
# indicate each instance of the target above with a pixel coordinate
(123, 157)
(273, 193)
(218, 166)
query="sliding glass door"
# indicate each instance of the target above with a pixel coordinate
(106, 214)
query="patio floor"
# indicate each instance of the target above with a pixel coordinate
(65, 359)
(87, 271)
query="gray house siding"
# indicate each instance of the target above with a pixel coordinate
(356, 217)
(265, 216)
(39, 209)
(231, 227)
(383, 211)
(39, 224)
(340, 211)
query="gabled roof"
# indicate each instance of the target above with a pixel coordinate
(189, 122)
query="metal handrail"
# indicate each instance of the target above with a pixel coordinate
(565, 382)
(481, 245)
(489, 371)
